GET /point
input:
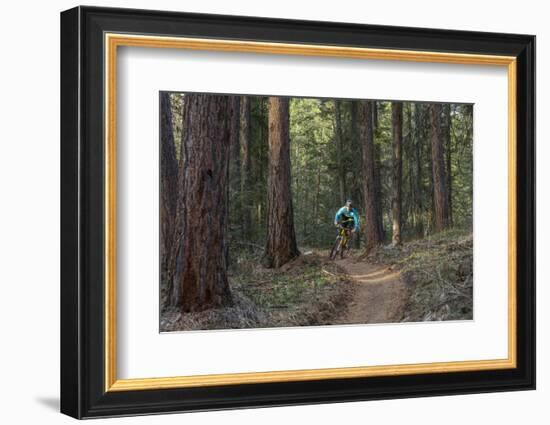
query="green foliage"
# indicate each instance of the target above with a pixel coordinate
(316, 159)
(321, 165)
(313, 159)
(462, 163)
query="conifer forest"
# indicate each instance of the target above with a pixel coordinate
(289, 211)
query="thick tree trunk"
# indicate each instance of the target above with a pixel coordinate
(200, 281)
(377, 167)
(235, 161)
(397, 166)
(169, 188)
(281, 244)
(340, 147)
(374, 235)
(440, 197)
(246, 201)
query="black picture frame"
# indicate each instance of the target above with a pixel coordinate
(82, 218)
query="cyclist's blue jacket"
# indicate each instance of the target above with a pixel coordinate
(343, 213)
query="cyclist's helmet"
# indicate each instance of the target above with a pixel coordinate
(349, 203)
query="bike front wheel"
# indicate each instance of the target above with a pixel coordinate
(344, 251)
(336, 248)
(345, 248)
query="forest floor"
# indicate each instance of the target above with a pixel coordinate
(437, 272)
(422, 280)
(310, 290)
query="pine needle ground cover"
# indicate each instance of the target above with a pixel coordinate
(437, 274)
(305, 292)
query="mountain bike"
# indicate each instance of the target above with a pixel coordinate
(341, 244)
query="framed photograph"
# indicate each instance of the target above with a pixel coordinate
(261, 212)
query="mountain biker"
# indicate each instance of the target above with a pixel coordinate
(347, 217)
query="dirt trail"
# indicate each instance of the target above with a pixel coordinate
(380, 293)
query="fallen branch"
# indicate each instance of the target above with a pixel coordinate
(253, 245)
(329, 273)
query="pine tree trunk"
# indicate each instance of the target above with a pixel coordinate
(408, 151)
(440, 196)
(169, 188)
(397, 167)
(317, 194)
(246, 202)
(200, 281)
(258, 169)
(377, 167)
(449, 174)
(235, 161)
(418, 135)
(374, 116)
(357, 179)
(340, 147)
(281, 244)
(373, 234)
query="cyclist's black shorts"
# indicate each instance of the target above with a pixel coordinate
(348, 224)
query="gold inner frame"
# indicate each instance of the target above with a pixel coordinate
(113, 41)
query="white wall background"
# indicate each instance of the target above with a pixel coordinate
(29, 216)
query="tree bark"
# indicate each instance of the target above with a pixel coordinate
(340, 147)
(357, 180)
(200, 281)
(374, 116)
(440, 197)
(418, 136)
(235, 160)
(281, 244)
(169, 188)
(447, 141)
(246, 201)
(397, 168)
(408, 152)
(377, 166)
(373, 234)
